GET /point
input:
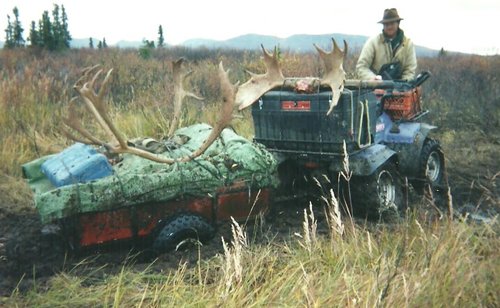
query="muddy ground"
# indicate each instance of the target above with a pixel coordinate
(27, 255)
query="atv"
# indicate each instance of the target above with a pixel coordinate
(375, 127)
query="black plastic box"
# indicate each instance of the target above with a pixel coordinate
(287, 121)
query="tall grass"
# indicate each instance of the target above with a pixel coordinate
(412, 264)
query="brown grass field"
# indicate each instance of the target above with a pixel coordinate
(297, 258)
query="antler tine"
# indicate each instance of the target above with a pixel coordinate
(179, 93)
(85, 74)
(91, 84)
(259, 84)
(335, 46)
(269, 58)
(104, 85)
(69, 135)
(72, 121)
(228, 94)
(96, 106)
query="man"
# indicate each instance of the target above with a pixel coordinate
(389, 55)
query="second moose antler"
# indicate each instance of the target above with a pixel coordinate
(259, 84)
(334, 75)
(118, 144)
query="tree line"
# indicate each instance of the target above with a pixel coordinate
(51, 33)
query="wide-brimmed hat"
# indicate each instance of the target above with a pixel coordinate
(390, 15)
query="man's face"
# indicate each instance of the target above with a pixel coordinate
(391, 29)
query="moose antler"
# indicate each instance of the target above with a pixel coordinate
(95, 104)
(334, 75)
(259, 84)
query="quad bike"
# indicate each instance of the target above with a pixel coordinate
(375, 125)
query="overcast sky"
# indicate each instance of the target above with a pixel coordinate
(459, 25)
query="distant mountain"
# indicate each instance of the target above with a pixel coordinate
(82, 43)
(297, 43)
(128, 44)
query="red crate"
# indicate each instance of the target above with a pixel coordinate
(403, 105)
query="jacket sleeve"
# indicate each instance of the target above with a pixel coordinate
(365, 61)
(410, 65)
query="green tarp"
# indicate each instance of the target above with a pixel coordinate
(136, 180)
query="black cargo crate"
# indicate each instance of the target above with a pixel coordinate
(287, 121)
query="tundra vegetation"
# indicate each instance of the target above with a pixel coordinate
(306, 254)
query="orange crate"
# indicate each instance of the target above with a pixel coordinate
(403, 105)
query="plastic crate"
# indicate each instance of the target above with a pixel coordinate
(286, 121)
(402, 105)
(78, 163)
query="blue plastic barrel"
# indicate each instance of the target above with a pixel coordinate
(78, 163)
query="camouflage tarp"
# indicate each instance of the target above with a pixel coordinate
(136, 180)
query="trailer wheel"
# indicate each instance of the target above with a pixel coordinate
(379, 195)
(180, 228)
(431, 167)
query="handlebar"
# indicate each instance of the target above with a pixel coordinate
(388, 84)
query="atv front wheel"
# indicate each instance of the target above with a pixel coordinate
(180, 228)
(379, 195)
(431, 167)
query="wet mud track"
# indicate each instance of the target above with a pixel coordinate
(28, 256)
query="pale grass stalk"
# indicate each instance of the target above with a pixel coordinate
(309, 227)
(346, 173)
(180, 274)
(429, 195)
(406, 290)
(333, 216)
(119, 292)
(422, 232)
(146, 289)
(449, 200)
(369, 243)
(306, 288)
(233, 269)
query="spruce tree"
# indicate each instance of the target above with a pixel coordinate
(91, 43)
(66, 36)
(161, 40)
(46, 33)
(56, 28)
(9, 35)
(17, 30)
(34, 36)
(104, 44)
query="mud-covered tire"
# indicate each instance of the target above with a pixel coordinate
(431, 168)
(380, 195)
(180, 228)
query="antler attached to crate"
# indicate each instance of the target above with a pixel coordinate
(259, 84)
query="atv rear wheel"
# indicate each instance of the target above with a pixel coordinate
(379, 195)
(180, 228)
(431, 167)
